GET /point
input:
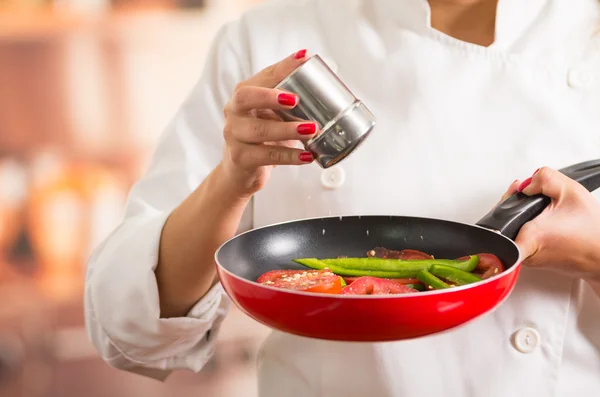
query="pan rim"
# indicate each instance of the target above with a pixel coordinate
(515, 265)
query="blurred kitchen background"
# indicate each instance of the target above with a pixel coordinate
(86, 87)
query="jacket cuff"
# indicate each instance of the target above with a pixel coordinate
(124, 310)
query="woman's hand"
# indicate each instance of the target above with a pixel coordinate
(256, 138)
(566, 236)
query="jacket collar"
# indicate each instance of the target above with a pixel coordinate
(514, 19)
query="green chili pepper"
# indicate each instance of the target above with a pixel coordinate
(453, 275)
(340, 271)
(396, 265)
(343, 282)
(384, 268)
(426, 277)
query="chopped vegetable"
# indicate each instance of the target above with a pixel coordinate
(453, 275)
(400, 265)
(317, 264)
(384, 253)
(418, 286)
(375, 286)
(323, 281)
(489, 265)
(401, 281)
(429, 279)
(384, 271)
(384, 268)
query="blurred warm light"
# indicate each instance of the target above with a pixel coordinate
(69, 214)
(86, 88)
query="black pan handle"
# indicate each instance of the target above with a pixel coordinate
(510, 215)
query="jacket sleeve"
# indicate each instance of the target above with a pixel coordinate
(121, 295)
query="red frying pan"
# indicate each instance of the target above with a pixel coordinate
(378, 318)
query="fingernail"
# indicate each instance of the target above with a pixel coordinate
(287, 99)
(307, 129)
(536, 171)
(306, 157)
(524, 185)
(300, 54)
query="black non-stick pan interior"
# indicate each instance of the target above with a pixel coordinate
(274, 247)
(256, 252)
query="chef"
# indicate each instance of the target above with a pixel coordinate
(469, 96)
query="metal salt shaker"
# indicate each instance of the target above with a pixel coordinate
(345, 121)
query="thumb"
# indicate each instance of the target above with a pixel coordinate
(271, 76)
(550, 183)
(527, 240)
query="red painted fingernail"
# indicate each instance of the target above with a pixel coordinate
(300, 54)
(287, 99)
(536, 171)
(307, 129)
(524, 185)
(306, 157)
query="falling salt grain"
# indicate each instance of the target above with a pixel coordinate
(340, 218)
(323, 232)
(367, 232)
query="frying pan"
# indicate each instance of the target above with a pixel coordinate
(379, 318)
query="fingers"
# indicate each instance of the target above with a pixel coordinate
(554, 185)
(264, 114)
(550, 183)
(247, 98)
(252, 130)
(258, 91)
(249, 156)
(274, 74)
(251, 120)
(512, 189)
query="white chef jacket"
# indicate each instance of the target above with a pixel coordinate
(457, 123)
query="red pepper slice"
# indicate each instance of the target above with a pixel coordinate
(375, 286)
(320, 281)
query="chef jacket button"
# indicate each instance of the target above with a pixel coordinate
(526, 340)
(333, 178)
(579, 79)
(332, 64)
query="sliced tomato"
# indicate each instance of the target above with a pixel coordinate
(375, 286)
(322, 281)
(489, 265)
(401, 281)
(380, 252)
